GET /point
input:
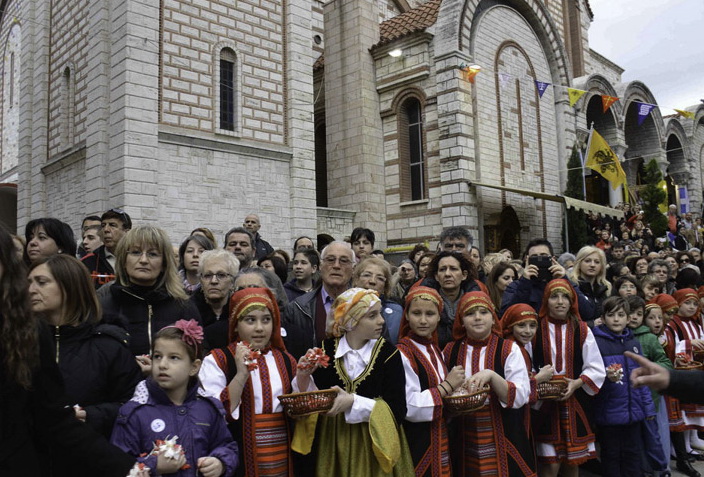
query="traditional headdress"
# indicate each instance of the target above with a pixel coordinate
(419, 293)
(666, 302)
(515, 314)
(349, 307)
(248, 299)
(555, 286)
(467, 303)
(687, 294)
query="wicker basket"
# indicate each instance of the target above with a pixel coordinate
(552, 389)
(303, 404)
(466, 403)
(698, 355)
(690, 366)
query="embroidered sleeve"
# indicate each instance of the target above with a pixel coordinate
(593, 371)
(533, 397)
(517, 379)
(421, 406)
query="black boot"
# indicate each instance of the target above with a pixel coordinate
(686, 468)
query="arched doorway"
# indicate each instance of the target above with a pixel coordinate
(8, 206)
(509, 231)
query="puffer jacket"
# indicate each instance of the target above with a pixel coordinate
(653, 350)
(618, 403)
(199, 424)
(98, 369)
(595, 295)
(144, 311)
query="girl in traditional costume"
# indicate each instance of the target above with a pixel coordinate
(248, 376)
(359, 436)
(685, 335)
(494, 439)
(520, 324)
(427, 382)
(564, 438)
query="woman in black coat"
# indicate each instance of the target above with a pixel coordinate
(33, 411)
(147, 291)
(99, 371)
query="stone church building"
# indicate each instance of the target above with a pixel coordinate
(319, 116)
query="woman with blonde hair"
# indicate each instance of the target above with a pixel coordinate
(147, 293)
(589, 274)
(375, 274)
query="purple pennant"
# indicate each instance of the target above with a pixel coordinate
(542, 86)
(643, 111)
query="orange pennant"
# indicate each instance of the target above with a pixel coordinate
(471, 72)
(607, 101)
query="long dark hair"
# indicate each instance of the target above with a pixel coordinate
(19, 337)
(494, 276)
(59, 231)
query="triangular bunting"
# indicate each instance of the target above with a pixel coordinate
(686, 114)
(643, 111)
(607, 101)
(575, 95)
(542, 86)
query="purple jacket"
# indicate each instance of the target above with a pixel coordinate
(619, 404)
(199, 424)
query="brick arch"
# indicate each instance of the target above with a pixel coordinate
(597, 84)
(404, 158)
(675, 127)
(499, 119)
(538, 18)
(638, 91)
(405, 93)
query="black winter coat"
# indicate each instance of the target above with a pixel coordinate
(31, 419)
(215, 329)
(99, 371)
(144, 311)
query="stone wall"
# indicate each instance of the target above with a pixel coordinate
(217, 186)
(515, 129)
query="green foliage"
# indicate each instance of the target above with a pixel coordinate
(576, 219)
(653, 195)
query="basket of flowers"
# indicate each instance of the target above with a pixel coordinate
(306, 403)
(464, 401)
(684, 363)
(552, 389)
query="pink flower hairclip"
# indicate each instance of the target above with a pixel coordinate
(192, 331)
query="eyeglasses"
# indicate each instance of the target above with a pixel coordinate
(220, 276)
(369, 275)
(342, 260)
(151, 255)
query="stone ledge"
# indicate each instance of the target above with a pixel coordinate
(230, 147)
(65, 158)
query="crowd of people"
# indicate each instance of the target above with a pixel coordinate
(177, 355)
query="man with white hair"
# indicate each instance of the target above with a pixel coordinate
(305, 318)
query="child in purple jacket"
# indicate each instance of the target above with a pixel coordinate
(619, 409)
(168, 404)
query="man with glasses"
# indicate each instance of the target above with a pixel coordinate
(305, 319)
(114, 224)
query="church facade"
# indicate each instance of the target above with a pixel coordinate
(197, 112)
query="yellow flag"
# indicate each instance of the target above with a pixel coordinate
(574, 95)
(602, 159)
(686, 114)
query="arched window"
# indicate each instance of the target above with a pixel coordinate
(411, 151)
(227, 89)
(67, 109)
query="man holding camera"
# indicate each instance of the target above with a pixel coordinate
(540, 267)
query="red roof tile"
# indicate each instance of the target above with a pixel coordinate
(417, 19)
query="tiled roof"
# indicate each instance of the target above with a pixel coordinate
(417, 19)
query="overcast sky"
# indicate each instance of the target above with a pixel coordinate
(658, 42)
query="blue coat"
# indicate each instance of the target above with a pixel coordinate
(199, 424)
(531, 292)
(619, 404)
